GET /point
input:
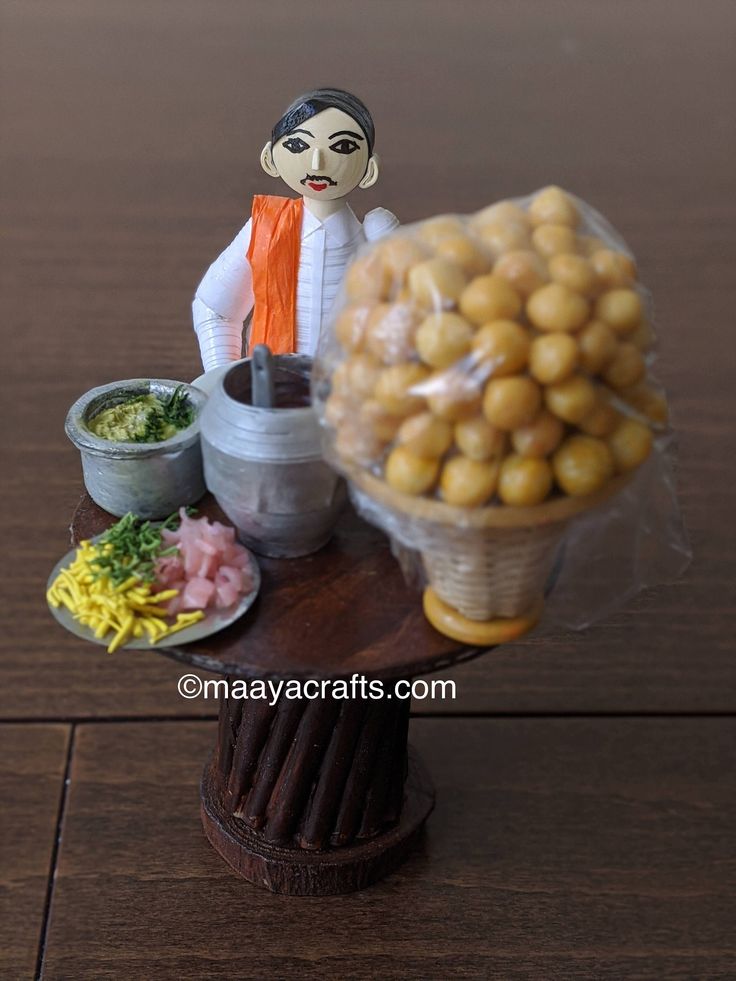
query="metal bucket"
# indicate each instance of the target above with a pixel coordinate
(149, 479)
(265, 466)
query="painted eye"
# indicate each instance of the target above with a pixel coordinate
(345, 146)
(296, 145)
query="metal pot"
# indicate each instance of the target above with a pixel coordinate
(265, 466)
(149, 479)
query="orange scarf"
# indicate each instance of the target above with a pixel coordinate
(273, 254)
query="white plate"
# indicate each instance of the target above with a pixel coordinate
(214, 619)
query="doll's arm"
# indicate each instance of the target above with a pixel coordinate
(378, 223)
(223, 300)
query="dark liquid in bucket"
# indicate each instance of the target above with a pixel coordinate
(291, 384)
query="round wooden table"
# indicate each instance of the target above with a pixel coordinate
(318, 794)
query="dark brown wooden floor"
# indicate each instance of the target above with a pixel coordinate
(586, 794)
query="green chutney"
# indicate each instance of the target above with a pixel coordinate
(144, 418)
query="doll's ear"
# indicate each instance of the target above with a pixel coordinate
(267, 161)
(371, 174)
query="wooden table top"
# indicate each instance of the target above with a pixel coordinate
(599, 842)
(343, 610)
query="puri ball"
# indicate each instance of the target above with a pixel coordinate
(648, 402)
(425, 435)
(627, 367)
(503, 237)
(553, 357)
(351, 324)
(555, 307)
(509, 403)
(571, 400)
(468, 483)
(582, 465)
(503, 345)
(630, 444)
(489, 298)
(356, 443)
(399, 254)
(443, 338)
(465, 253)
(588, 244)
(367, 279)
(436, 283)
(552, 206)
(573, 271)
(621, 309)
(390, 332)
(613, 268)
(501, 213)
(642, 336)
(550, 240)
(478, 439)
(524, 482)
(434, 230)
(540, 438)
(410, 474)
(522, 269)
(376, 420)
(393, 388)
(598, 345)
(601, 421)
(453, 395)
(357, 377)
(337, 409)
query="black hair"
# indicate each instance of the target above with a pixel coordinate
(318, 100)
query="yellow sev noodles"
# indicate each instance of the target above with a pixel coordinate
(129, 609)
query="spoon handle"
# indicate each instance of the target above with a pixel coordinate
(261, 370)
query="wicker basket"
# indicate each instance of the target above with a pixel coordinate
(485, 562)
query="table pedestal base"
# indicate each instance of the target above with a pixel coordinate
(313, 797)
(298, 872)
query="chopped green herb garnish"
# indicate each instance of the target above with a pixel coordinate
(145, 418)
(178, 410)
(135, 545)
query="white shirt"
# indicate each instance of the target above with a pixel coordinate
(224, 298)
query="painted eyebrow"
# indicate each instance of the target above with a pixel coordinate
(346, 132)
(301, 131)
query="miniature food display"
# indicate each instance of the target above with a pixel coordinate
(487, 381)
(152, 579)
(515, 317)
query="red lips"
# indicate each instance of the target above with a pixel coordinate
(316, 187)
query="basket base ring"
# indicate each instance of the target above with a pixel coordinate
(479, 633)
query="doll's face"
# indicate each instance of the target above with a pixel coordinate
(324, 158)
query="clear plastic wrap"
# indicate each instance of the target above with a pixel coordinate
(486, 386)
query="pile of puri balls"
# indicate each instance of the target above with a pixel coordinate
(498, 357)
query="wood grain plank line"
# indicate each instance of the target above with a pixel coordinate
(559, 848)
(59, 830)
(33, 761)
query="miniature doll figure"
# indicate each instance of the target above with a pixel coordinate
(288, 261)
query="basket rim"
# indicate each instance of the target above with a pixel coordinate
(492, 516)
